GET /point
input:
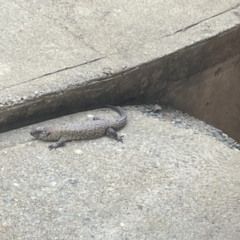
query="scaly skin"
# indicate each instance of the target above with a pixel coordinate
(82, 131)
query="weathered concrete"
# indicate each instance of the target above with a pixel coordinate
(61, 57)
(163, 182)
(212, 96)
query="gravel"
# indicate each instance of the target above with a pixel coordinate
(183, 120)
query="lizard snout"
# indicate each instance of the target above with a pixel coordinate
(39, 132)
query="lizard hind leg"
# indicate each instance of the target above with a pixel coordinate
(57, 144)
(110, 132)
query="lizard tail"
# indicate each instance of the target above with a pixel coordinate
(121, 122)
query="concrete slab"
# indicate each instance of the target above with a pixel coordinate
(60, 57)
(167, 180)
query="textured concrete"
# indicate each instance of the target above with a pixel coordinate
(163, 182)
(63, 56)
(212, 96)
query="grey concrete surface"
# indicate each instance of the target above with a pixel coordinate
(53, 50)
(214, 95)
(163, 182)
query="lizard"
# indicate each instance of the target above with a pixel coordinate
(90, 129)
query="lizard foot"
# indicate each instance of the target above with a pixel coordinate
(57, 144)
(110, 132)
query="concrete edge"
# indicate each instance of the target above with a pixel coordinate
(146, 83)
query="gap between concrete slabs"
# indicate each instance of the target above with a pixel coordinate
(108, 79)
(145, 83)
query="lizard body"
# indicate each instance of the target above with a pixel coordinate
(82, 131)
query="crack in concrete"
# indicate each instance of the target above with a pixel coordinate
(22, 7)
(62, 26)
(54, 72)
(201, 21)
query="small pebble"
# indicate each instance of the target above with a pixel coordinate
(7, 199)
(53, 183)
(73, 181)
(178, 120)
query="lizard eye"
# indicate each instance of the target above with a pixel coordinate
(39, 132)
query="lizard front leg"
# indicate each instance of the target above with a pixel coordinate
(110, 132)
(57, 144)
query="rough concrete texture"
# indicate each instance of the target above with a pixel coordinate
(163, 182)
(214, 95)
(63, 56)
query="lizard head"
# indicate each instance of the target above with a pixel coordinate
(40, 133)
